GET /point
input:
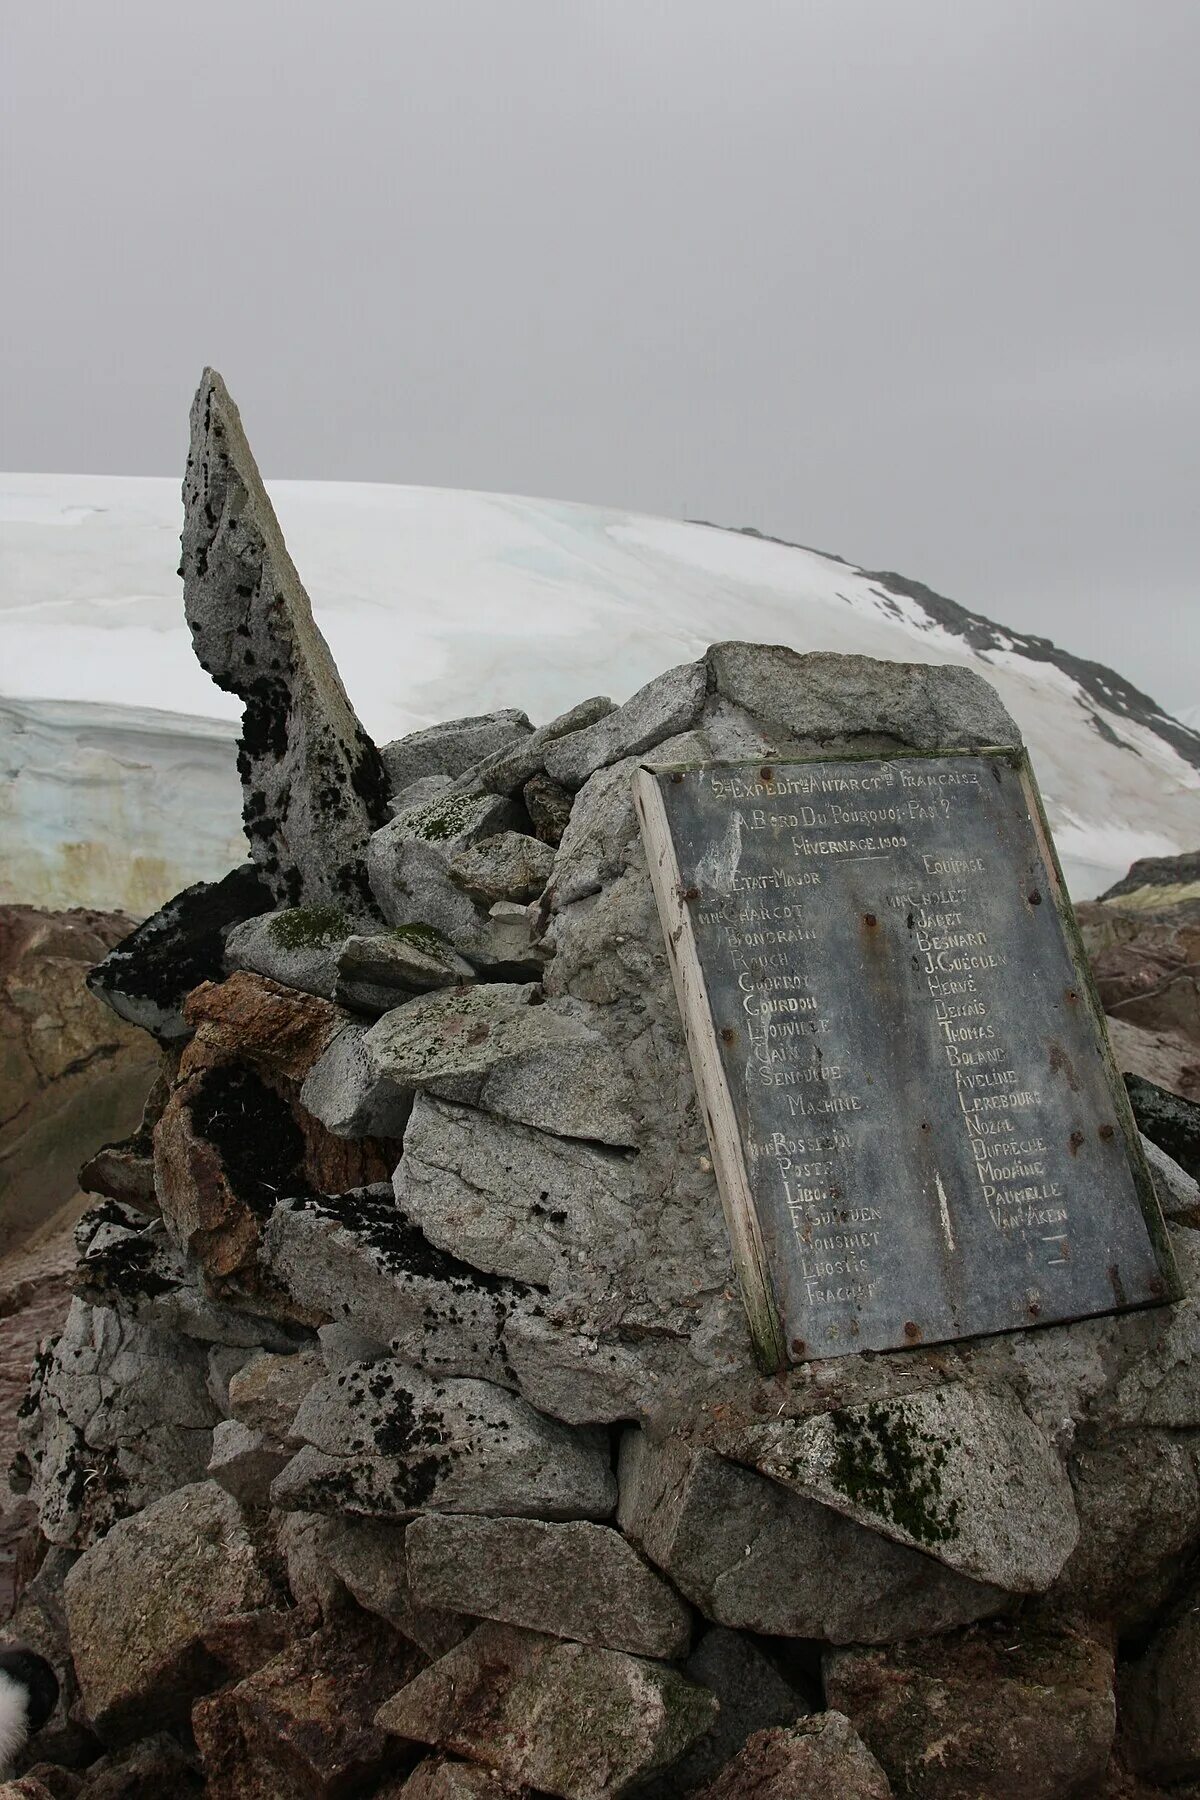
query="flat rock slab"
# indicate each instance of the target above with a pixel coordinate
(385, 1440)
(452, 747)
(669, 704)
(508, 771)
(376, 973)
(371, 1557)
(494, 1047)
(820, 1758)
(358, 1259)
(509, 866)
(994, 1712)
(578, 1580)
(753, 1556)
(568, 1719)
(754, 1696)
(139, 1602)
(959, 1472)
(441, 1780)
(313, 783)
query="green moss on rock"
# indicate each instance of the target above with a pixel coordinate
(884, 1464)
(309, 927)
(426, 938)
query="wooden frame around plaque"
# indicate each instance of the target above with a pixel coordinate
(968, 1164)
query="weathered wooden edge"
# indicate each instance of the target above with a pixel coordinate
(1143, 1181)
(733, 1179)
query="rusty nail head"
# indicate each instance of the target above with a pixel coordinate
(728, 1034)
(1033, 1309)
(870, 920)
(692, 893)
(1035, 899)
(1075, 1139)
(1158, 1286)
(1106, 1131)
(798, 1346)
(1072, 996)
(912, 1330)
(765, 774)
(677, 776)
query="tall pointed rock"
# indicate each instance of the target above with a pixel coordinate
(314, 786)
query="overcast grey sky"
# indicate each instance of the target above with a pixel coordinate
(915, 281)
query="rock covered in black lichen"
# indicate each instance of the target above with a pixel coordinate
(1168, 1120)
(147, 976)
(314, 785)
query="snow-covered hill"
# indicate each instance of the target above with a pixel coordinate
(437, 603)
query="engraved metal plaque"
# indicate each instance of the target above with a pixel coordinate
(916, 1123)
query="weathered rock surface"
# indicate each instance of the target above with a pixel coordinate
(508, 866)
(116, 1416)
(314, 786)
(297, 948)
(667, 705)
(1160, 1699)
(375, 974)
(958, 1472)
(995, 1712)
(508, 771)
(753, 1696)
(235, 1134)
(1137, 1494)
(567, 1719)
(266, 1390)
(820, 1758)
(182, 1565)
(370, 1557)
(440, 1780)
(491, 1047)
(71, 1074)
(385, 1440)
(1171, 1120)
(358, 1259)
(343, 1091)
(303, 1724)
(415, 892)
(548, 806)
(577, 1580)
(752, 1555)
(453, 747)
(1178, 1192)
(147, 976)
(244, 1463)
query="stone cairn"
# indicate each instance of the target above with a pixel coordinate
(404, 1435)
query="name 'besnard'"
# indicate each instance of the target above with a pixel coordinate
(917, 1126)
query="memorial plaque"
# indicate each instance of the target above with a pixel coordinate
(917, 1126)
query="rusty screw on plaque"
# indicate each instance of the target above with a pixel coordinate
(1033, 1309)
(677, 776)
(870, 921)
(798, 1346)
(1075, 1140)
(728, 1034)
(912, 1330)
(1106, 1132)
(766, 774)
(1034, 898)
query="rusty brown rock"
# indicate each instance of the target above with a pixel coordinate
(988, 1713)
(234, 1138)
(304, 1722)
(818, 1758)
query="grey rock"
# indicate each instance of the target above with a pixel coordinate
(492, 1047)
(820, 1756)
(128, 1263)
(828, 700)
(452, 747)
(667, 705)
(117, 1415)
(1178, 1194)
(190, 1562)
(1159, 1697)
(411, 882)
(342, 1344)
(147, 976)
(357, 1258)
(506, 866)
(511, 1200)
(577, 1580)
(385, 1440)
(418, 793)
(301, 1539)
(752, 1556)
(224, 1361)
(548, 806)
(494, 1698)
(244, 1463)
(343, 1090)
(375, 974)
(1137, 1494)
(266, 1391)
(449, 823)
(314, 785)
(509, 770)
(986, 1493)
(753, 1696)
(291, 947)
(370, 1556)
(509, 949)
